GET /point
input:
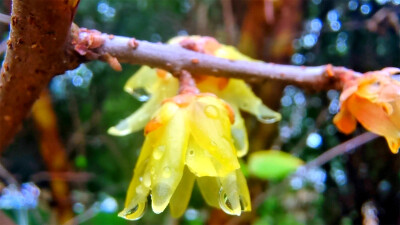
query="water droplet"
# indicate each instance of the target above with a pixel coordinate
(141, 94)
(226, 205)
(140, 179)
(147, 180)
(243, 203)
(166, 172)
(133, 213)
(158, 152)
(211, 111)
(266, 115)
(139, 190)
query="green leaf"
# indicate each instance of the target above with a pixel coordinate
(272, 164)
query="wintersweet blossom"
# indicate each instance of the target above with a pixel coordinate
(373, 100)
(196, 135)
(188, 138)
(155, 85)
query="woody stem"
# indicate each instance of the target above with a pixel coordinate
(187, 85)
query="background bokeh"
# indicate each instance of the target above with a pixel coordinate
(360, 34)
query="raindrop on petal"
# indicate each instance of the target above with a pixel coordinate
(141, 94)
(167, 172)
(229, 204)
(211, 111)
(134, 213)
(158, 152)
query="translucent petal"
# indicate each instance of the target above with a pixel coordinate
(180, 199)
(234, 195)
(238, 93)
(239, 134)
(137, 193)
(135, 212)
(229, 199)
(210, 127)
(244, 194)
(145, 78)
(209, 188)
(168, 167)
(139, 119)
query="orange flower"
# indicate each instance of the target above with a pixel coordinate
(374, 101)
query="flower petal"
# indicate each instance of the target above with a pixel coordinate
(180, 199)
(209, 188)
(239, 134)
(137, 193)
(145, 78)
(238, 93)
(135, 122)
(374, 118)
(168, 159)
(344, 120)
(394, 144)
(210, 128)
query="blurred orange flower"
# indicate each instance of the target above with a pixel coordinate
(373, 100)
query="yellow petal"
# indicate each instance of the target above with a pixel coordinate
(145, 78)
(180, 199)
(200, 161)
(211, 129)
(137, 193)
(238, 93)
(239, 134)
(209, 188)
(167, 165)
(138, 120)
(234, 196)
(244, 193)
(230, 193)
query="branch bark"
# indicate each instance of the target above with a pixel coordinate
(174, 58)
(37, 51)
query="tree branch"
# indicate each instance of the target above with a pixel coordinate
(341, 149)
(41, 44)
(174, 58)
(37, 51)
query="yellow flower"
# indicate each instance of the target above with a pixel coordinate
(188, 138)
(374, 101)
(159, 85)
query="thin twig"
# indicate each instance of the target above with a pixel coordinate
(341, 149)
(7, 175)
(5, 18)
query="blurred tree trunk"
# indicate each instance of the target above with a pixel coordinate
(268, 30)
(54, 154)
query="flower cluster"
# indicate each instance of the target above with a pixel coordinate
(373, 100)
(194, 132)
